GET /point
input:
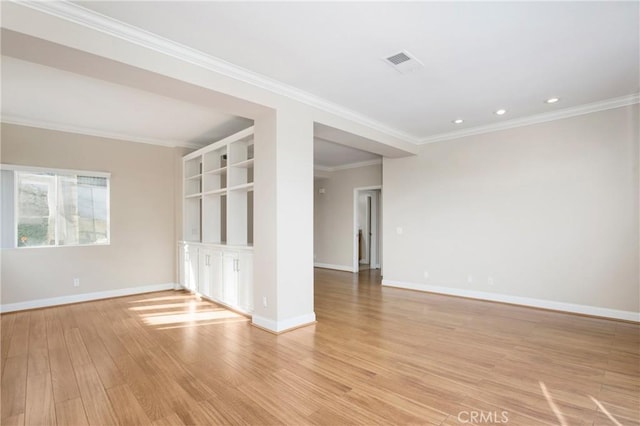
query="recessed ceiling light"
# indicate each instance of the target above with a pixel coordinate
(501, 112)
(552, 100)
(458, 121)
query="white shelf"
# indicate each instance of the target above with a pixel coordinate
(243, 187)
(244, 164)
(218, 188)
(220, 191)
(220, 171)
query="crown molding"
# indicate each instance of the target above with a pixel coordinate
(98, 22)
(357, 165)
(348, 166)
(538, 118)
(40, 124)
(322, 168)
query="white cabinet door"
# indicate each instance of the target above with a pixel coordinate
(189, 267)
(245, 281)
(219, 274)
(230, 278)
(204, 282)
(216, 270)
(210, 282)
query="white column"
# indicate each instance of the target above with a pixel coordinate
(283, 220)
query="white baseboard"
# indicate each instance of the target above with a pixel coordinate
(85, 297)
(283, 325)
(595, 311)
(336, 267)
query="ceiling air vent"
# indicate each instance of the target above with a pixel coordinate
(403, 62)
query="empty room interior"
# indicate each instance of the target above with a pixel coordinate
(321, 213)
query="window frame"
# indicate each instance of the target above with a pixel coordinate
(49, 170)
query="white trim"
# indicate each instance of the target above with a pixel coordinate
(41, 124)
(21, 168)
(517, 300)
(538, 118)
(357, 165)
(85, 297)
(98, 22)
(348, 166)
(322, 168)
(280, 326)
(335, 267)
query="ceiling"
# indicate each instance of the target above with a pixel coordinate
(477, 57)
(40, 94)
(43, 96)
(330, 155)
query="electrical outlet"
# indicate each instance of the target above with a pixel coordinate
(76, 282)
(399, 230)
(426, 275)
(490, 281)
(469, 278)
(264, 301)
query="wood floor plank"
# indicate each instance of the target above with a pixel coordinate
(377, 355)
(71, 412)
(14, 387)
(63, 376)
(19, 343)
(17, 420)
(171, 420)
(126, 406)
(109, 373)
(190, 382)
(40, 407)
(76, 347)
(155, 403)
(7, 322)
(55, 333)
(287, 410)
(94, 397)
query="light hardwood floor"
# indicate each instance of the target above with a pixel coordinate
(376, 356)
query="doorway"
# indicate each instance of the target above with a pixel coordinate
(367, 228)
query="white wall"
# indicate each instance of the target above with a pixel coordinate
(143, 217)
(333, 214)
(548, 211)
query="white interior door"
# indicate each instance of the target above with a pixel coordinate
(367, 216)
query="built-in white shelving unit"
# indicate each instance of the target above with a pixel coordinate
(216, 256)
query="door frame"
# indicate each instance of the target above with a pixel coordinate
(377, 227)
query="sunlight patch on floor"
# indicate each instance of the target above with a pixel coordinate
(202, 309)
(605, 411)
(561, 420)
(191, 305)
(200, 324)
(173, 318)
(161, 299)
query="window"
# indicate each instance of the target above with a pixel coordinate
(54, 207)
